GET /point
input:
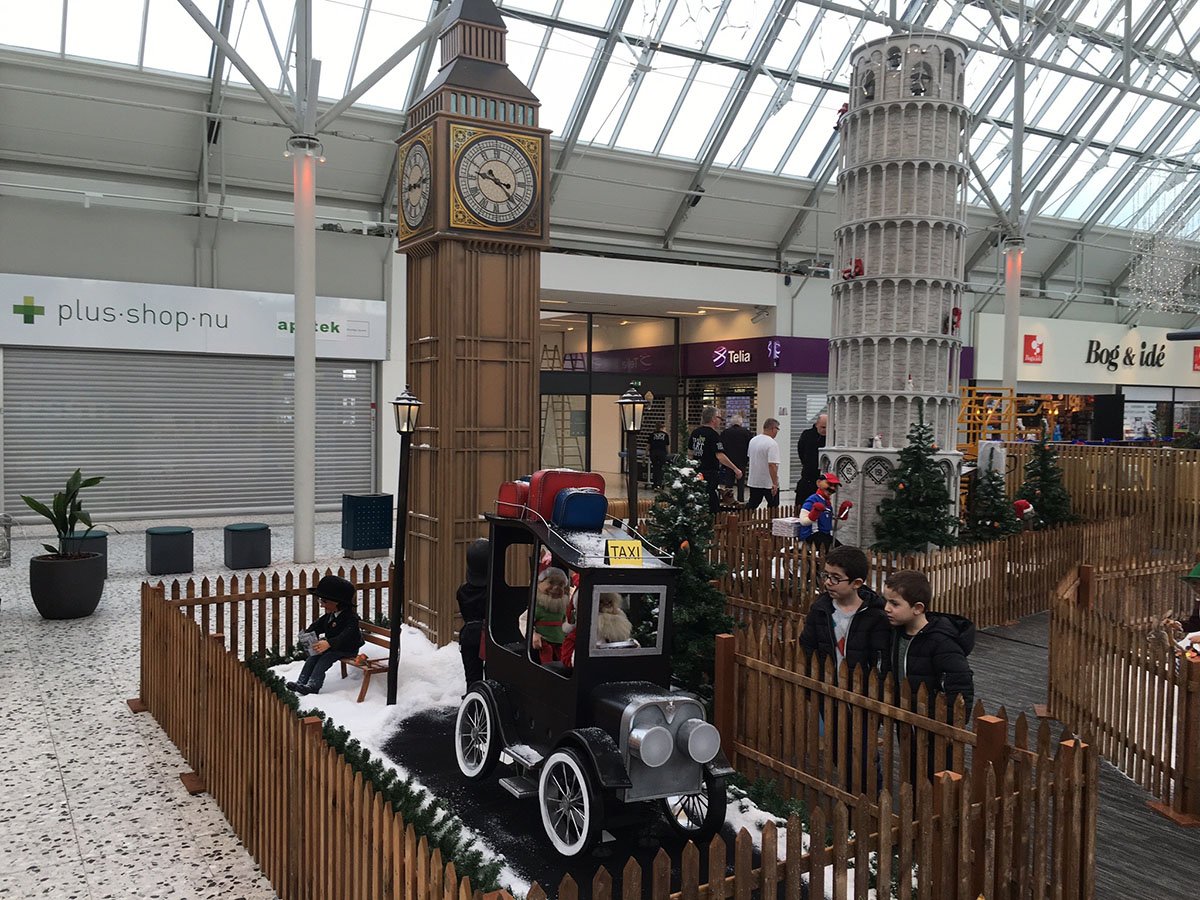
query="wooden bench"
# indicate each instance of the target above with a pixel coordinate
(372, 665)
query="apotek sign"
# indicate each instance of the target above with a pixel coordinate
(39, 311)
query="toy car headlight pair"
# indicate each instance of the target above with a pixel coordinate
(654, 744)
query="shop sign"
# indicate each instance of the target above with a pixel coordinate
(1034, 347)
(42, 311)
(1088, 353)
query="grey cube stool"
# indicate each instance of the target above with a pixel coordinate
(168, 549)
(94, 541)
(248, 545)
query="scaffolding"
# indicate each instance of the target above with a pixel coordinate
(985, 414)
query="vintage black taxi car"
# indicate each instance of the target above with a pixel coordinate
(606, 738)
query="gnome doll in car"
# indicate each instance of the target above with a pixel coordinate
(553, 592)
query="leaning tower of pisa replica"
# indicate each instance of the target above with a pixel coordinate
(897, 303)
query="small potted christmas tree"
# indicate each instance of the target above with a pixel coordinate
(1043, 488)
(989, 516)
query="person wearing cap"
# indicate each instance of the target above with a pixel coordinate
(1191, 625)
(816, 515)
(338, 628)
(472, 603)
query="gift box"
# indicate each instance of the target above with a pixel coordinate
(789, 526)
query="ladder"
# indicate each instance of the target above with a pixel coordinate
(556, 417)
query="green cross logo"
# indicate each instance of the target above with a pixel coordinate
(28, 310)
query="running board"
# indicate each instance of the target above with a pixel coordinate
(519, 786)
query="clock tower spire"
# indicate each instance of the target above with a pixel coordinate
(472, 221)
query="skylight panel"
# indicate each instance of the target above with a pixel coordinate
(38, 27)
(691, 22)
(705, 101)
(982, 72)
(792, 35)
(742, 133)
(560, 78)
(781, 127)
(174, 42)
(249, 35)
(111, 30)
(539, 6)
(335, 32)
(589, 12)
(740, 27)
(655, 98)
(646, 17)
(611, 97)
(522, 44)
(808, 150)
(389, 26)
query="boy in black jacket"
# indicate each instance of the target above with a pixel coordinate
(338, 627)
(847, 622)
(927, 649)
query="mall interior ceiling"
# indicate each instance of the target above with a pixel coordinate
(683, 130)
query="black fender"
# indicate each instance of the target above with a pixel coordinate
(597, 747)
(497, 698)
(719, 766)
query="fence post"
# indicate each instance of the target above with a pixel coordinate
(1184, 808)
(1087, 587)
(724, 692)
(946, 785)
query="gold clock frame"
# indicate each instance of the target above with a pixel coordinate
(403, 232)
(460, 215)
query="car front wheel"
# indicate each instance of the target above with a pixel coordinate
(570, 805)
(476, 737)
(697, 817)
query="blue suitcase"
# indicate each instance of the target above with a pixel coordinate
(580, 509)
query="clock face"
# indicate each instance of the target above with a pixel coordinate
(414, 185)
(495, 179)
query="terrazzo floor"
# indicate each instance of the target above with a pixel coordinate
(92, 802)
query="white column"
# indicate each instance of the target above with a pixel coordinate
(393, 371)
(775, 402)
(304, 277)
(1013, 257)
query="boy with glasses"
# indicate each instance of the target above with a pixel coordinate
(847, 623)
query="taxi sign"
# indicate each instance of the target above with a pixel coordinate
(623, 553)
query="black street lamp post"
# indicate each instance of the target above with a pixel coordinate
(406, 407)
(632, 405)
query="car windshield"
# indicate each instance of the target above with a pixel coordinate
(626, 619)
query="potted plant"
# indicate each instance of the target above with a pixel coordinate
(66, 585)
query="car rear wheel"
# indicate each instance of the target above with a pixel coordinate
(476, 737)
(569, 803)
(699, 816)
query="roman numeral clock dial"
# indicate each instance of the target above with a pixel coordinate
(496, 180)
(414, 185)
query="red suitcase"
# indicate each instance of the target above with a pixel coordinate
(512, 498)
(545, 485)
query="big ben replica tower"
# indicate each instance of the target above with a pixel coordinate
(473, 219)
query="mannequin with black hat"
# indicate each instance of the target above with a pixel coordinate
(338, 629)
(472, 603)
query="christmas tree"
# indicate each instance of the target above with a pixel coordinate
(680, 523)
(920, 511)
(1043, 487)
(989, 514)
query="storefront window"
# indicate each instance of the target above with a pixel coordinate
(564, 431)
(563, 341)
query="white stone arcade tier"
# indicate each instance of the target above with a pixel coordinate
(897, 306)
(898, 190)
(858, 420)
(916, 248)
(931, 131)
(875, 365)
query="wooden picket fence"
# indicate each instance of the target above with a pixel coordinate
(772, 577)
(268, 770)
(1123, 685)
(1156, 488)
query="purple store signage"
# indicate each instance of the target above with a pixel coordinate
(741, 356)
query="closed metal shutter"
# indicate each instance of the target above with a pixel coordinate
(809, 395)
(177, 434)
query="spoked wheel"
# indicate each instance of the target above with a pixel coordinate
(570, 807)
(476, 738)
(699, 816)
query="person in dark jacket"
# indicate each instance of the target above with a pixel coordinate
(927, 649)
(736, 441)
(660, 449)
(847, 623)
(338, 628)
(472, 603)
(812, 440)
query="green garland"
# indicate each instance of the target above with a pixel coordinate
(428, 815)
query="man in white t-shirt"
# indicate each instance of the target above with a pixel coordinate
(764, 467)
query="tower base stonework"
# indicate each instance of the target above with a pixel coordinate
(864, 475)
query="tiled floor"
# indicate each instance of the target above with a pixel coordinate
(92, 802)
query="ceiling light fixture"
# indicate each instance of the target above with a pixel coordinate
(680, 312)
(721, 308)
(559, 302)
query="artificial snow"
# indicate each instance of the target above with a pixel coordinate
(430, 678)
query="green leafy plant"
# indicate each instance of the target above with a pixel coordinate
(66, 510)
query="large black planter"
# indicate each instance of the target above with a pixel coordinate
(67, 588)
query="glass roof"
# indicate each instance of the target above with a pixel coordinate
(698, 80)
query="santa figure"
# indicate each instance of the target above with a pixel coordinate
(1026, 514)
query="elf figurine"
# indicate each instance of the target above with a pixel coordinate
(1026, 514)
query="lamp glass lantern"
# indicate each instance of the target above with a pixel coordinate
(406, 407)
(632, 405)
